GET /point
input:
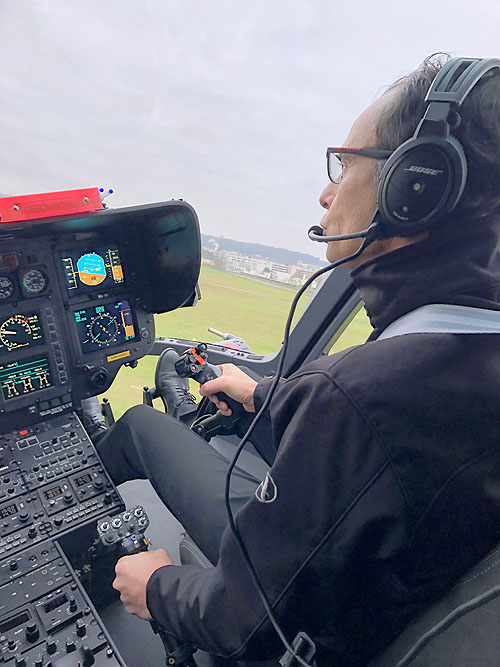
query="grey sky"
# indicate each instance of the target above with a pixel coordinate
(229, 105)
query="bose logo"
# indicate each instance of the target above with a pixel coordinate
(424, 170)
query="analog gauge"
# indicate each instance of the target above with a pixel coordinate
(103, 329)
(7, 288)
(34, 281)
(19, 331)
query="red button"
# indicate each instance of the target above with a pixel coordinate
(23, 432)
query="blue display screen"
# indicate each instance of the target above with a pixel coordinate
(92, 269)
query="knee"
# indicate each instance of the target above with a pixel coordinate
(137, 413)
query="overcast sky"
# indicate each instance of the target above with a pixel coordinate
(226, 104)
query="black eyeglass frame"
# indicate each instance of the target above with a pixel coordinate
(375, 153)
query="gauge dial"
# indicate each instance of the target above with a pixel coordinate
(34, 281)
(103, 329)
(7, 288)
(20, 331)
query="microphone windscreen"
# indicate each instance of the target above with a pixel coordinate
(315, 229)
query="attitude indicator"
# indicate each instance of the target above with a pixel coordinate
(88, 269)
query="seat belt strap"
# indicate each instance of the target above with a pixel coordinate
(445, 318)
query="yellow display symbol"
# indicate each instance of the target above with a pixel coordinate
(118, 273)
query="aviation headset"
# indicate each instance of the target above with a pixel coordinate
(425, 177)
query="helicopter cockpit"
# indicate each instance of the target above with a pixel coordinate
(79, 286)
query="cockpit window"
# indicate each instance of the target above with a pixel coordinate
(356, 331)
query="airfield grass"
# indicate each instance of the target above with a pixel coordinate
(255, 310)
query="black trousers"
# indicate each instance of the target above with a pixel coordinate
(187, 473)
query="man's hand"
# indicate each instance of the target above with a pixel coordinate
(132, 576)
(233, 382)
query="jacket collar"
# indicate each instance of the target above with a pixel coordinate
(458, 264)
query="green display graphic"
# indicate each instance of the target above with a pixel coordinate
(19, 378)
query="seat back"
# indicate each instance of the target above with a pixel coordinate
(462, 628)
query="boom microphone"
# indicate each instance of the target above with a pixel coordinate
(315, 233)
(373, 232)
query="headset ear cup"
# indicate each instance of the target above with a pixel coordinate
(421, 181)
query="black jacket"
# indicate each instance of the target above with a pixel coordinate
(387, 474)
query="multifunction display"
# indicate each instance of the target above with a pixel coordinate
(26, 376)
(104, 325)
(92, 269)
(20, 331)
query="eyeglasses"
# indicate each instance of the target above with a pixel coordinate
(334, 164)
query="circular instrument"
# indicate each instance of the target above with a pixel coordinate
(19, 331)
(7, 288)
(91, 269)
(34, 281)
(103, 329)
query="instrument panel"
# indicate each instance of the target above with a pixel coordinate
(76, 296)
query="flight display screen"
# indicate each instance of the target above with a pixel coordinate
(18, 378)
(92, 269)
(20, 331)
(104, 326)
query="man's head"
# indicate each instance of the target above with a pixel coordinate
(386, 124)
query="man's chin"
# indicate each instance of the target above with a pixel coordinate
(338, 250)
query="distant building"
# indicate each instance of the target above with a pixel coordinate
(262, 267)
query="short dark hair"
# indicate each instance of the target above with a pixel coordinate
(479, 131)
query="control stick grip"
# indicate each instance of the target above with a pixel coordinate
(193, 364)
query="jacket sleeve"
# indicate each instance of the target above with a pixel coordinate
(305, 541)
(262, 436)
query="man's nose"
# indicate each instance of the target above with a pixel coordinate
(328, 195)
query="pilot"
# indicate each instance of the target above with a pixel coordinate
(384, 459)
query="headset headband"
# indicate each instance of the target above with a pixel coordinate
(425, 177)
(448, 90)
(457, 77)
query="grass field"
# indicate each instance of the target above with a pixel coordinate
(249, 308)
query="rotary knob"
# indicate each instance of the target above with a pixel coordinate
(13, 565)
(70, 645)
(81, 628)
(32, 631)
(98, 483)
(50, 646)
